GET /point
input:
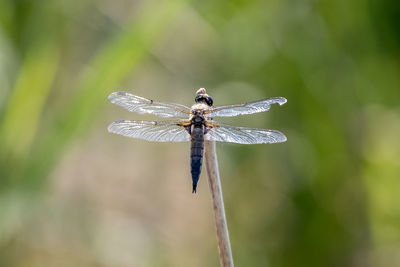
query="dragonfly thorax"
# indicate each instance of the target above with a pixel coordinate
(198, 111)
(198, 119)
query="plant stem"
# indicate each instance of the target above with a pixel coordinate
(224, 245)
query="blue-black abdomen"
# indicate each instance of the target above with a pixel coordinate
(196, 155)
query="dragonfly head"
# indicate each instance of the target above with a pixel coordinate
(201, 96)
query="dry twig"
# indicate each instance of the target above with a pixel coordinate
(224, 245)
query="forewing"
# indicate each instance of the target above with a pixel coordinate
(246, 108)
(156, 131)
(143, 105)
(243, 135)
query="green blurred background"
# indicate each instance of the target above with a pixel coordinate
(72, 194)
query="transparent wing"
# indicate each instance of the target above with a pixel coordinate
(246, 108)
(143, 105)
(157, 131)
(241, 135)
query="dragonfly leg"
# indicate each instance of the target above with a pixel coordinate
(206, 129)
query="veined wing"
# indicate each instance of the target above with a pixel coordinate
(246, 108)
(143, 105)
(242, 135)
(157, 131)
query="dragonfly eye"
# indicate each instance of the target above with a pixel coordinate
(209, 101)
(199, 98)
(204, 98)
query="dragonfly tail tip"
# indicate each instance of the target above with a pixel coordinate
(194, 190)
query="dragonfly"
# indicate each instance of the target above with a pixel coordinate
(195, 124)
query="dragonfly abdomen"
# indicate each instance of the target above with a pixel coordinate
(196, 155)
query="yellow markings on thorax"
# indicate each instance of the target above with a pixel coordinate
(185, 123)
(211, 124)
